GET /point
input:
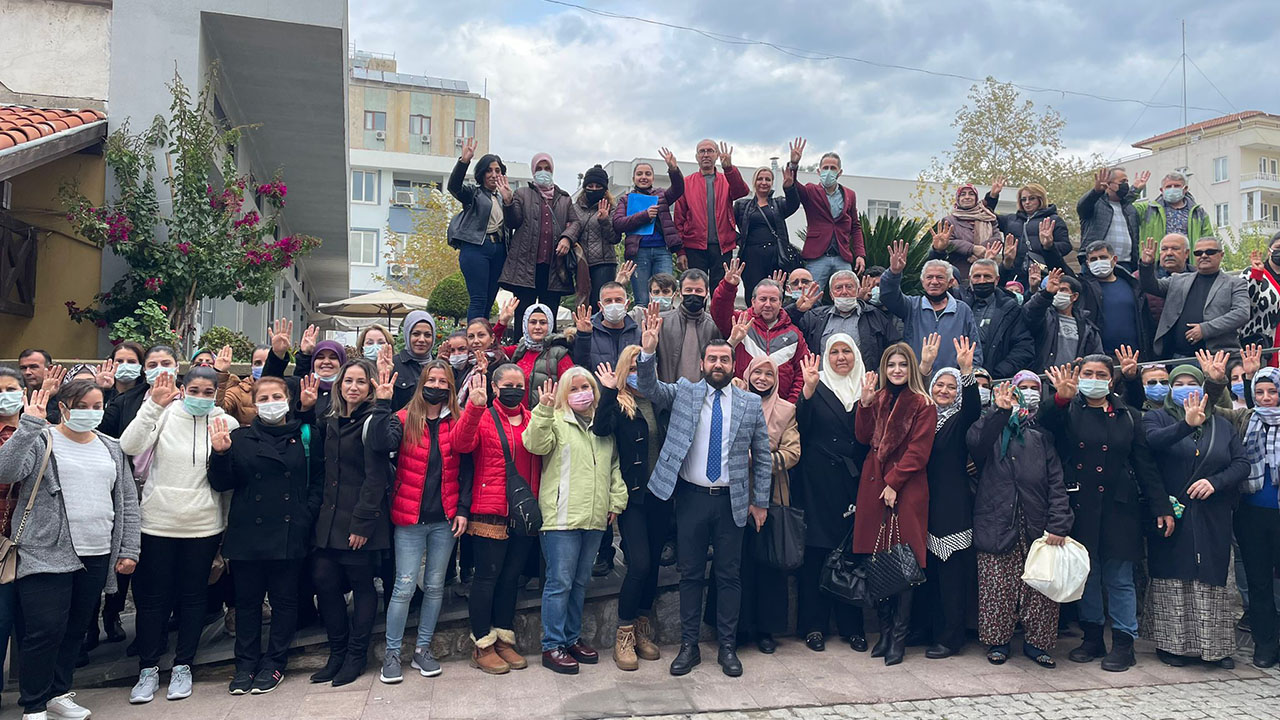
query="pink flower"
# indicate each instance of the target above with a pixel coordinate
(250, 219)
(184, 247)
(153, 284)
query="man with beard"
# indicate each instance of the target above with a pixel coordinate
(934, 312)
(716, 463)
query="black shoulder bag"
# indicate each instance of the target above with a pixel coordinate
(522, 507)
(788, 257)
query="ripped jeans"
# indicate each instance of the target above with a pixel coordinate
(434, 542)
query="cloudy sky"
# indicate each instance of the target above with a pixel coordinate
(589, 89)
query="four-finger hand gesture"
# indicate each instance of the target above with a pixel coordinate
(582, 319)
(964, 354)
(796, 149)
(625, 270)
(1141, 180)
(649, 333)
(1055, 281)
(479, 393)
(220, 434)
(733, 271)
(869, 383)
(105, 377)
(164, 389)
(1065, 379)
(308, 391)
(809, 367)
(604, 372)
(898, 257)
(1195, 406)
(1128, 358)
(929, 351)
(508, 313)
(36, 402)
(1046, 233)
(1148, 251)
(602, 209)
(281, 337)
(1003, 396)
(997, 185)
(1101, 179)
(741, 326)
(1251, 359)
(669, 158)
(942, 236)
(726, 155)
(307, 345)
(547, 393)
(222, 361)
(812, 294)
(53, 379)
(386, 383)
(469, 150)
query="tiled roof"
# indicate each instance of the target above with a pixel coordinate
(1205, 125)
(19, 124)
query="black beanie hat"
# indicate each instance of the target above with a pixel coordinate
(596, 175)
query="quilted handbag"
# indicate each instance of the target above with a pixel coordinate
(844, 576)
(891, 567)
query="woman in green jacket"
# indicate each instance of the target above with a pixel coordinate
(581, 492)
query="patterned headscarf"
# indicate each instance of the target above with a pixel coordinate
(1262, 436)
(1018, 419)
(945, 412)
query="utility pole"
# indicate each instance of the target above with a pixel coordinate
(1186, 132)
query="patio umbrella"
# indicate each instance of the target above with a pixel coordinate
(388, 303)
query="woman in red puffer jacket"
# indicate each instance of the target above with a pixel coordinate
(429, 507)
(499, 552)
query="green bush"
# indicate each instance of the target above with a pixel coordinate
(148, 325)
(241, 346)
(449, 299)
(879, 235)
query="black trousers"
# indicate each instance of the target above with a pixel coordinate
(643, 526)
(761, 261)
(492, 603)
(764, 592)
(704, 520)
(536, 294)
(942, 604)
(256, 580)
(1258, 532)
(816, 607)
(172, 572)
(333, 572)
(56, 607)
(600, 274)
(710, 261)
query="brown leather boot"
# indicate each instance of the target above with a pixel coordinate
(506, 648)
(624, 649)
(485, 656)
(646, 649)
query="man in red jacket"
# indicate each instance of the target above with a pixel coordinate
(833, 238)
(762, 329)
(704, 214)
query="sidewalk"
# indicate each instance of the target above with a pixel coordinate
(792, 677)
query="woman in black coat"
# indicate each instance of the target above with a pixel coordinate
(949, 592)
(1108, 469)
(1202, 463)
(826, 487)
(353, 526)
(762, 225)
(275, 471)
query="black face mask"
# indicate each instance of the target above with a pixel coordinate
(693, 303)
(594, 196)
(983, 289)
(435, 395)
(1122, 190)
(758, 391)
(510, 396)
(1275, 257)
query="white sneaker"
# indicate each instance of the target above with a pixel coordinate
(179, 683)
(65, 708)
(145, 689)
(42, 715)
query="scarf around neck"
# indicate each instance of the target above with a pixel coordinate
(945, 413)
(1262, 436)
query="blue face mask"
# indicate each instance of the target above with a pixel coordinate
(828, 178)
(875, 295)
(1156, 393)
(632, 381)
(155, 372)
(542, 178)
(1182, 392)
(197, 406)
(256, 372)
(83, 419)
(371, 351)
(1237, 389)
(128, 371)
(10, 402)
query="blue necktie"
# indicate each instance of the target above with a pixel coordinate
(717, 426)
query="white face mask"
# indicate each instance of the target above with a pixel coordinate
(613, 312)
(984, 395)
(1100, 268)
(1030, 398)
(10, 402)
(1061, 300)
(273, 412)
(845, 304)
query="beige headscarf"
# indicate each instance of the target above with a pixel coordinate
(846, 387)
(778, 413)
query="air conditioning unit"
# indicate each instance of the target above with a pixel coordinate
(396, 270)
(458, 142)
(380, 134)
(424, 139)
(403, 197)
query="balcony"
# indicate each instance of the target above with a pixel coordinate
(1260, 181)
(1264, 227)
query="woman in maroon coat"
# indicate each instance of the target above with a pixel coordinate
(897, 421)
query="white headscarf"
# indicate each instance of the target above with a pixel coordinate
(846, 387)
(524, 325)
(954, 407)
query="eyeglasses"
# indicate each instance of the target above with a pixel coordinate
(1153, 382)
(1207, 251)
(1027, 198)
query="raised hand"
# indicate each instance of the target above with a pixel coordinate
(1128, 358)
(741, 326)
(164, 389)
(809, 367)
(35, 403)
(308, 391)
(220, 435)
(53, 379)
(222, 361)
(1255, 260)
(469, 150)
(812, 294)
(1003, 396)
(733, 271)
(482, 364)
(942, 236)
(547, 393)
(504, 189)
(1214, 366)
(669, 158)
(649, 333)
(1194, 406)
(964, 354)
(602, 209)
(726, 155)
(1065, 379)
(779, 276)
(582, 319)
(106, 375)
(307, 345)
(479, 394)
(386, 384)
(1046, 233)
(929, 351)
(796, 149)
(788, 176)
(606, 376)
(1251, 359)
(864, 290)
(652, 309)
(1148, 252)
(1034, 275)
(1055, 281)
(869, 383)
(507, 314)
(1010, 250)
(997, 185)
(1101, 179)
(898, 257)
(385, 360)
(626, 269)
(1140, 181)
(281, 337)
(978, 252)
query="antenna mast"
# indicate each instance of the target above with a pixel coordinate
(1186, 131)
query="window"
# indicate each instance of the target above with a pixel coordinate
(883, 208)
(1222, 214)
(1267, 166)
(364, 247)
(419, 125)
(364, 186)
(1220, 169)
(464, 128)
(374, 120)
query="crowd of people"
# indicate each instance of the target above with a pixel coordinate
(1128, 405)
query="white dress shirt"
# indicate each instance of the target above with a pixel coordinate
(694, 468)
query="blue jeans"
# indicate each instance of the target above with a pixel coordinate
(569, 555)
(822, 268)
(649, 262)
(1122, 598)
(481, 265)
(412, 542)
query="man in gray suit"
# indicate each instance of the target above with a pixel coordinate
(716, 462)
(1202, 310)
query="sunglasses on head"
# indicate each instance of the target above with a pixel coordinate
(1207, 251)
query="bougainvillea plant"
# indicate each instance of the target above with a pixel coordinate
(207, 240)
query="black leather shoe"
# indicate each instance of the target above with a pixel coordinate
(815, 642)
(939, 651)
(858, 642)
(729, 663)
(1264, 658)
(766, 644)
(688, 658)
(114, 630)
(1170, 659)
(1226, 663)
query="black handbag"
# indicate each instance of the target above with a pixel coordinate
(891, 567)
(522, 507)
(781, 537)
(788, 257)
(844, 576)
